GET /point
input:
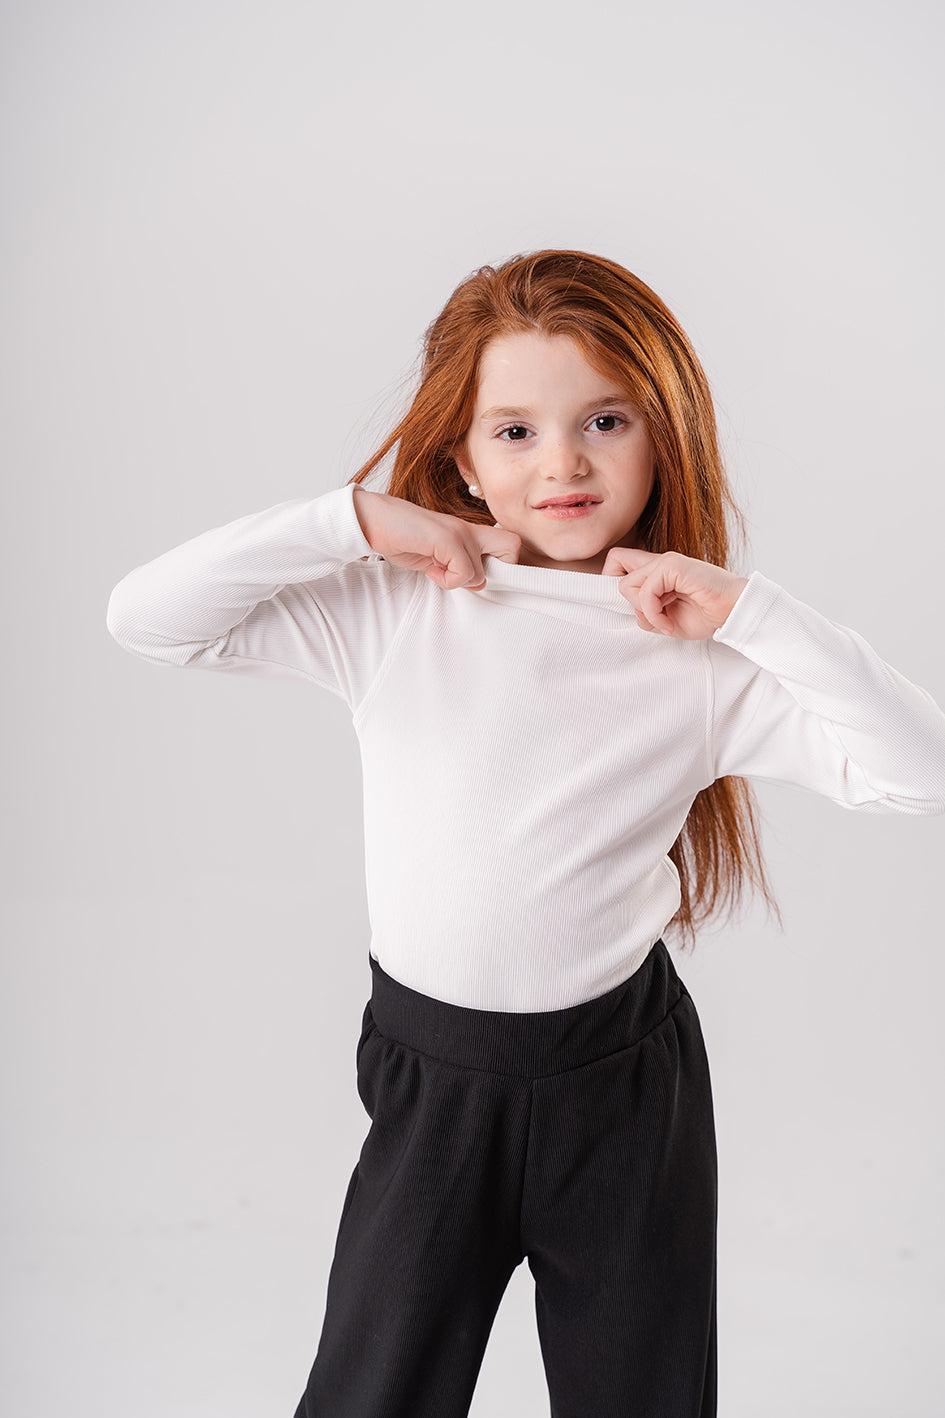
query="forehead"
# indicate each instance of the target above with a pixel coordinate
(525, 365)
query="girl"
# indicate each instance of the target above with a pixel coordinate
(559, 690)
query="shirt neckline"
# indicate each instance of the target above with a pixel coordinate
(583, 587)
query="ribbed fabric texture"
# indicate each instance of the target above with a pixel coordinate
(582, 1139)
(529, 753)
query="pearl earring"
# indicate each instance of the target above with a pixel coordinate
(475, 489)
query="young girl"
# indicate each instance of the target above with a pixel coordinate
(559, 690)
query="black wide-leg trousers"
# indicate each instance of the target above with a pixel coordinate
(581, 1139)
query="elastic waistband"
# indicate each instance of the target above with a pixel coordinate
(530, 1044)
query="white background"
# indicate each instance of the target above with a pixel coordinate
(225, 228)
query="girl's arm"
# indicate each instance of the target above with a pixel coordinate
(796, 698)
(269, 594)
(310, 589)
(446, 549)
(801, 700)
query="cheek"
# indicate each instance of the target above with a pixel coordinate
(641, 472)
(480, 462)
(649, 480)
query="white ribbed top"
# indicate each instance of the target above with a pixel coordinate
(529, 753)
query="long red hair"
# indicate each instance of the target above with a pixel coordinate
(623, 329)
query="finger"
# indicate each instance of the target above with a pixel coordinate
(495, 541)
(621, 560)
(652, 606)
(450, 580)
(633, 580)
(657, 591)
(457, 576)
(633, 596)
(455, 564)
(637, 588)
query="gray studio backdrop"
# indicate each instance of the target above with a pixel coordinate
(225, 228)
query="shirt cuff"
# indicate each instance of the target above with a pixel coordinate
(336, 512)
(748, 612)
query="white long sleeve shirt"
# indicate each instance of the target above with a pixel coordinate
(529, 753)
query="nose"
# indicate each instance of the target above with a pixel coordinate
(563, 460)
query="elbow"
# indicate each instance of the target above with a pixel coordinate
(915, 788)
(125, 625)
(117, 619)
(920, 807)
(123, 620)
(930, 802)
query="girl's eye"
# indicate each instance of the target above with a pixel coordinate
(602, 423)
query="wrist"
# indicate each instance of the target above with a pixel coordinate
(362, 510)
(734, 590)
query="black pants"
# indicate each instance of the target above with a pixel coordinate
(580, 1138)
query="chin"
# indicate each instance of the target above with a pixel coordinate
(575, 553)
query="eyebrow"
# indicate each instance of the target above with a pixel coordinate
(603, 401)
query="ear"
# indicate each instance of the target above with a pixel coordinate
(466, 470)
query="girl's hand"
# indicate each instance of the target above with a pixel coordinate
(446, 549)
(674, 594)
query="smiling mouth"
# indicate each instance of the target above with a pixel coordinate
(568, 502)
(567, 511)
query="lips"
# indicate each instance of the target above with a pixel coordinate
(575, 500)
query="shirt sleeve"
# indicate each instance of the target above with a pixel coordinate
(293, 592)
(799, 700)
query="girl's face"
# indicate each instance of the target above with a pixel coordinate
(559, 450)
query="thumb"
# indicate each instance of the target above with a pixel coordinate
(495, 541)
(622, 560)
